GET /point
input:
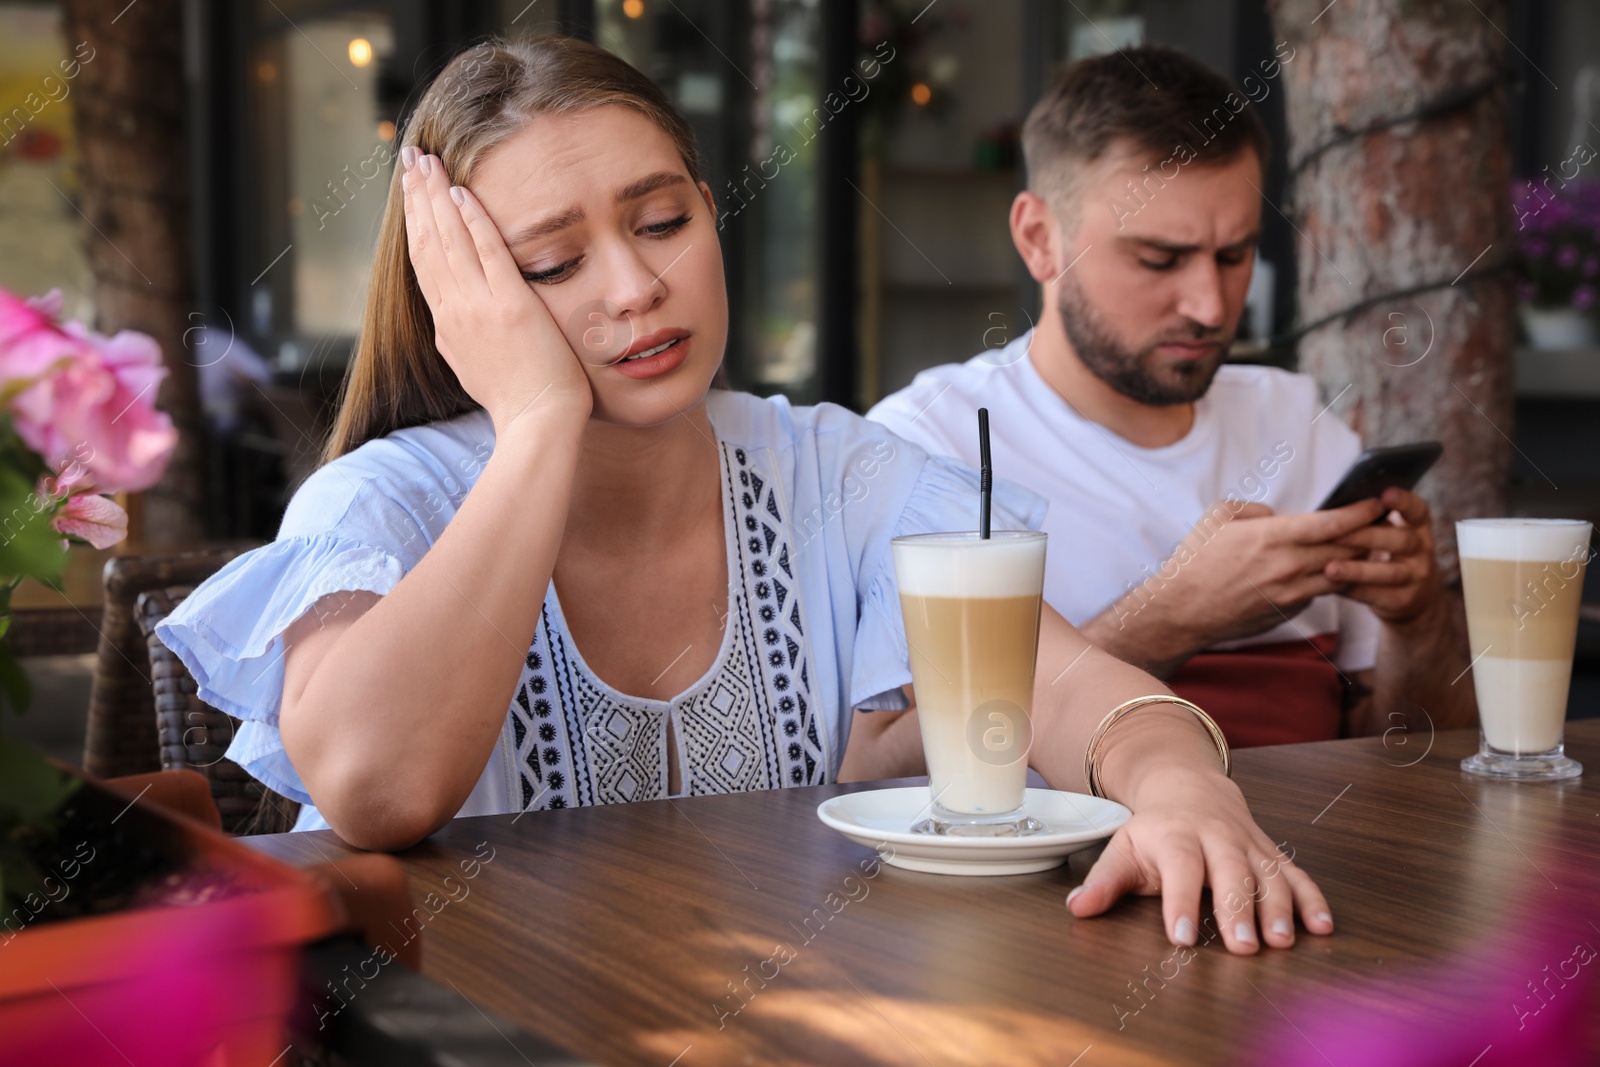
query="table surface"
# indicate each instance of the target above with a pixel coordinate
(622, 932)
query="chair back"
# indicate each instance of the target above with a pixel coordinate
(195, 736)
(121, 734)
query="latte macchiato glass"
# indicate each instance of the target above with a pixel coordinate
(1523, 580)
(971, 608)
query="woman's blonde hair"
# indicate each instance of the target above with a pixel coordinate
(397, 378)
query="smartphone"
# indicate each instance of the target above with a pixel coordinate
(1377, 469)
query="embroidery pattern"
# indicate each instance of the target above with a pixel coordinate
(750, 725)
(544, 763)
(771, 609)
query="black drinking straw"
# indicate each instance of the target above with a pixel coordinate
(985, 473)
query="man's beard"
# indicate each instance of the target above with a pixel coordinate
(1141, 375)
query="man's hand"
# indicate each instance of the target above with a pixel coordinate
(1398, 576)
(1243, 570)
(1419, 682)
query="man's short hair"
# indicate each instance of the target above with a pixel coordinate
(1161, 103)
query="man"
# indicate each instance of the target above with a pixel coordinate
(1182, 531)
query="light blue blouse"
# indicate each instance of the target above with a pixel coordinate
(812, 497)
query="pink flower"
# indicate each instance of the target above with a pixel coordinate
(30, 343)
(78, 396)
(73, 478)
(48, 304)
(97, 519)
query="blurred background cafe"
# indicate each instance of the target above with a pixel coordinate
(213, 174)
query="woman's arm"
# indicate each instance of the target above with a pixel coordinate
(884, 744)
(391, 705)
(1190, 828)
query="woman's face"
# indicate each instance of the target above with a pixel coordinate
(604, 221)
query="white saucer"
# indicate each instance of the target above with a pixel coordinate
(883, 817)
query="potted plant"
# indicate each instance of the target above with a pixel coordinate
(1558, 234)
(77, 421)
(127, 933)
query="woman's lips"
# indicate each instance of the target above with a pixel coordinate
(654, 339)
(663, 362)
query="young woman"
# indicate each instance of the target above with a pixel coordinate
(547, 563)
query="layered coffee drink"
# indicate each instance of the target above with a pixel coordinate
(971, 609)
(1523, 580)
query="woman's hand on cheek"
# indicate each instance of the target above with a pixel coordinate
(1195, 831)
(490, 326)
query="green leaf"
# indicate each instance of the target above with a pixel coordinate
(31, 787)
(28, 546)
(16, 455)
(32, 791)
(19, 876)
(16, 692)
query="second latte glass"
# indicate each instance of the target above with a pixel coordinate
(1523, 580)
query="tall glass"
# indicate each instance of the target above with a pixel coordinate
(971, 609)
(1523, 580)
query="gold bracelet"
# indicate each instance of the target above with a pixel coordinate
(1091, 755)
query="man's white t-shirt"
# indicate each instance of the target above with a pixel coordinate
(1118, 511)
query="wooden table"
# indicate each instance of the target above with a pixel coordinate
(739, 929)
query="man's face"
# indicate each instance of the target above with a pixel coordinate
(1154, 304)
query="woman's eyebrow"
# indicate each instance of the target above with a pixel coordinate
(559, 221)
(647, 185)
(574, 215)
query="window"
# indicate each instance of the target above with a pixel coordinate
(324, 152)
(40, 245)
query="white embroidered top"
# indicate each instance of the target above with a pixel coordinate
(811, 499)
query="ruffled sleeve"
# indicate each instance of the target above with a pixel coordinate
(338, 535)
(944, 497)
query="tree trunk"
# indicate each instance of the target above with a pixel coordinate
(1407, 206)
(133, 194)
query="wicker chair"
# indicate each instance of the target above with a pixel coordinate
(121, 736)
(195, 736)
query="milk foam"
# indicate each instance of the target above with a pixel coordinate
(1009, 563)
(1554, 540)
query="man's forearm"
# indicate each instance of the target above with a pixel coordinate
(1145, 638)
(1422, 676)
